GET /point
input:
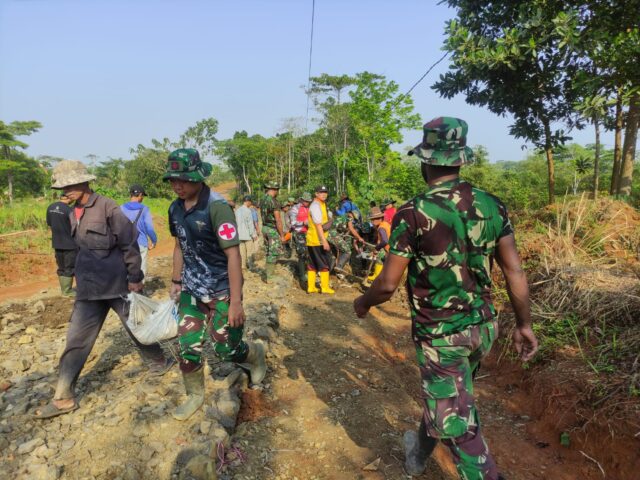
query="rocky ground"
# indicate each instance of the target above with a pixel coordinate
(339, 394)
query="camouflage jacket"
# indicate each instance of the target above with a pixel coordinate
(450, 233)
(268, 206)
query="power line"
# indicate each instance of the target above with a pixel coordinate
(313, 15)
(426, 73)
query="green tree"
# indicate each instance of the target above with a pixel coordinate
(509, 57)
(378, 114)
(13, 164)
(201, 136)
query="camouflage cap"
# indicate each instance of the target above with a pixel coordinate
(375, 212)
(444, 143)
(387, 201)
(185, 164)
(70, 172)
(291, 200)
(272, 185)
(306, 197)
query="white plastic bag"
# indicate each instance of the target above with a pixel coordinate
(150, 320)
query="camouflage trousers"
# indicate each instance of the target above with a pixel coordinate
(195, 319)
(272, 243)
(299, 240)
(447, 366)
(342, 242)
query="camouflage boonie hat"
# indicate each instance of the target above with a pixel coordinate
(291, 200)
(272, 185)
(306, 197)
(70, 172)
(185, 164)
(444, 143)
(375, 212)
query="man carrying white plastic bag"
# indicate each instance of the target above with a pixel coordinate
(207, 278)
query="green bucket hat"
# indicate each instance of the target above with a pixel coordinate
(444, 143)
(272, 185)
(306, 197)
(185, 164)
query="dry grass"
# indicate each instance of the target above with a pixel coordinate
(586, 293)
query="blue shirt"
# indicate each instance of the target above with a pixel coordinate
(144, 224)
(347, 206)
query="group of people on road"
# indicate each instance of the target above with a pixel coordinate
(324, 240)
(206, 282)
(446, 237)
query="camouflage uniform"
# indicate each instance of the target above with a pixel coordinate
(450, 233)
(272, 242)
(195, 319)
(340, 236)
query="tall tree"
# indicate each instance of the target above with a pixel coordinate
(201, 136)
(9, 143)
(629, 146)
(379, 113)
(509, 57)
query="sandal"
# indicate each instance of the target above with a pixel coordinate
(50, 411)
(158, 369)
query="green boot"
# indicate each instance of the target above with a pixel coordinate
(302, 273)
(269, 271)
(194, 386)
(255, 363)
(65, 286)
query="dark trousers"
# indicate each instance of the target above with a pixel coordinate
(66, 260)
(319, 259)
(86, 322)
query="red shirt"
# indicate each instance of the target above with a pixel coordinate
(388, 214)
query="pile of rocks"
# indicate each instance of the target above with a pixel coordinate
(123, 428)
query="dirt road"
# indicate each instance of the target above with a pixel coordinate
(339, 395)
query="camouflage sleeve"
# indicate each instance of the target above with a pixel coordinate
(224, 225)
(402, 241)
(507, 228)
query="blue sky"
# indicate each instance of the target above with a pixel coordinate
(105, 75)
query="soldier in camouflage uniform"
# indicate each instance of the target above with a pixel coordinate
(341, 236)
(271, 227)
(207, 278)
(448, 238)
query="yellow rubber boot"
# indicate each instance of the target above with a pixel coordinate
(377, 268)
(311, 282)
(324, 283)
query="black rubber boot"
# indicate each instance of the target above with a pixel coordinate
(417, 449)
(343, 258)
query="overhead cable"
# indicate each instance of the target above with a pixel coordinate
(313, 14)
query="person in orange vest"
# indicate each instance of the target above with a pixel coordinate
(317, 244)
(383, 233)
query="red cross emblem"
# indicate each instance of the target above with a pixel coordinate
(227, 231)
(175, 165)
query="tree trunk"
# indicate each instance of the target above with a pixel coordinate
(308, 166)
(10, 182)
(629, 146)
(617, 149)
(596, 160)
(548, 150)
